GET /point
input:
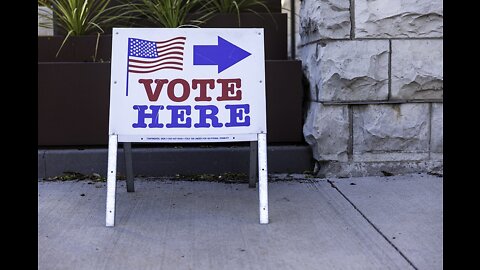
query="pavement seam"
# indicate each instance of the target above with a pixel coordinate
(371, 223)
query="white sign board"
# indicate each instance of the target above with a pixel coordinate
(187, 85)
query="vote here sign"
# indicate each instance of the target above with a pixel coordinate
(187, 84)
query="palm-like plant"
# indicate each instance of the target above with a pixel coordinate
(168, 13)
(233, 6)
(82, 17)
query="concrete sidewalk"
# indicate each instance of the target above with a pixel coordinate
(352, 223)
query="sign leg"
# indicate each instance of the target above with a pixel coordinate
(253, 176)
(127, 149)
(111, 180)
(263, 178)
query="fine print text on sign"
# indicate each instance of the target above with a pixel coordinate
(187, 85)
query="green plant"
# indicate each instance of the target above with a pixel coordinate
(82, 17)
(168, 13)
(233, 6)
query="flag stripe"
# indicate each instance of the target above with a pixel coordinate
(155, 61)
(162, 55)
(157, 65)
(165, 41)
(174, 43)
(148, 71)
(169, 49)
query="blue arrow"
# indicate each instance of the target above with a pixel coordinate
(224, 55)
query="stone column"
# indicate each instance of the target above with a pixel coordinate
(375, 74)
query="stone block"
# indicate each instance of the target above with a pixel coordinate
(42, 30)
(391, 132)
(333, 169)
(326, 130)
(308, 55)
(436, 140)
(398, 18)
(327, 19)
(352, 70)
(417, 69)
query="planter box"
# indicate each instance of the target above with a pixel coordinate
(73, 103)
(275, 32)
(82, 48)
(76, 49)
(273, 6)
(284, 101)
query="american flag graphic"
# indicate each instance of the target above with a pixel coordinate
(146, 56)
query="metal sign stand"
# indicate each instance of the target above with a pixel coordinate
(258, 163)
(237, 113)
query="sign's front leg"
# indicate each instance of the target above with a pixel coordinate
(111, 179)
(263, 177)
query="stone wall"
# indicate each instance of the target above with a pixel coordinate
(375, 72)
(44, 31)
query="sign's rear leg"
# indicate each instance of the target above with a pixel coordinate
(253, 176)
(127, 149)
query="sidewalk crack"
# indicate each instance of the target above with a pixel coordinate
(371, 223)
